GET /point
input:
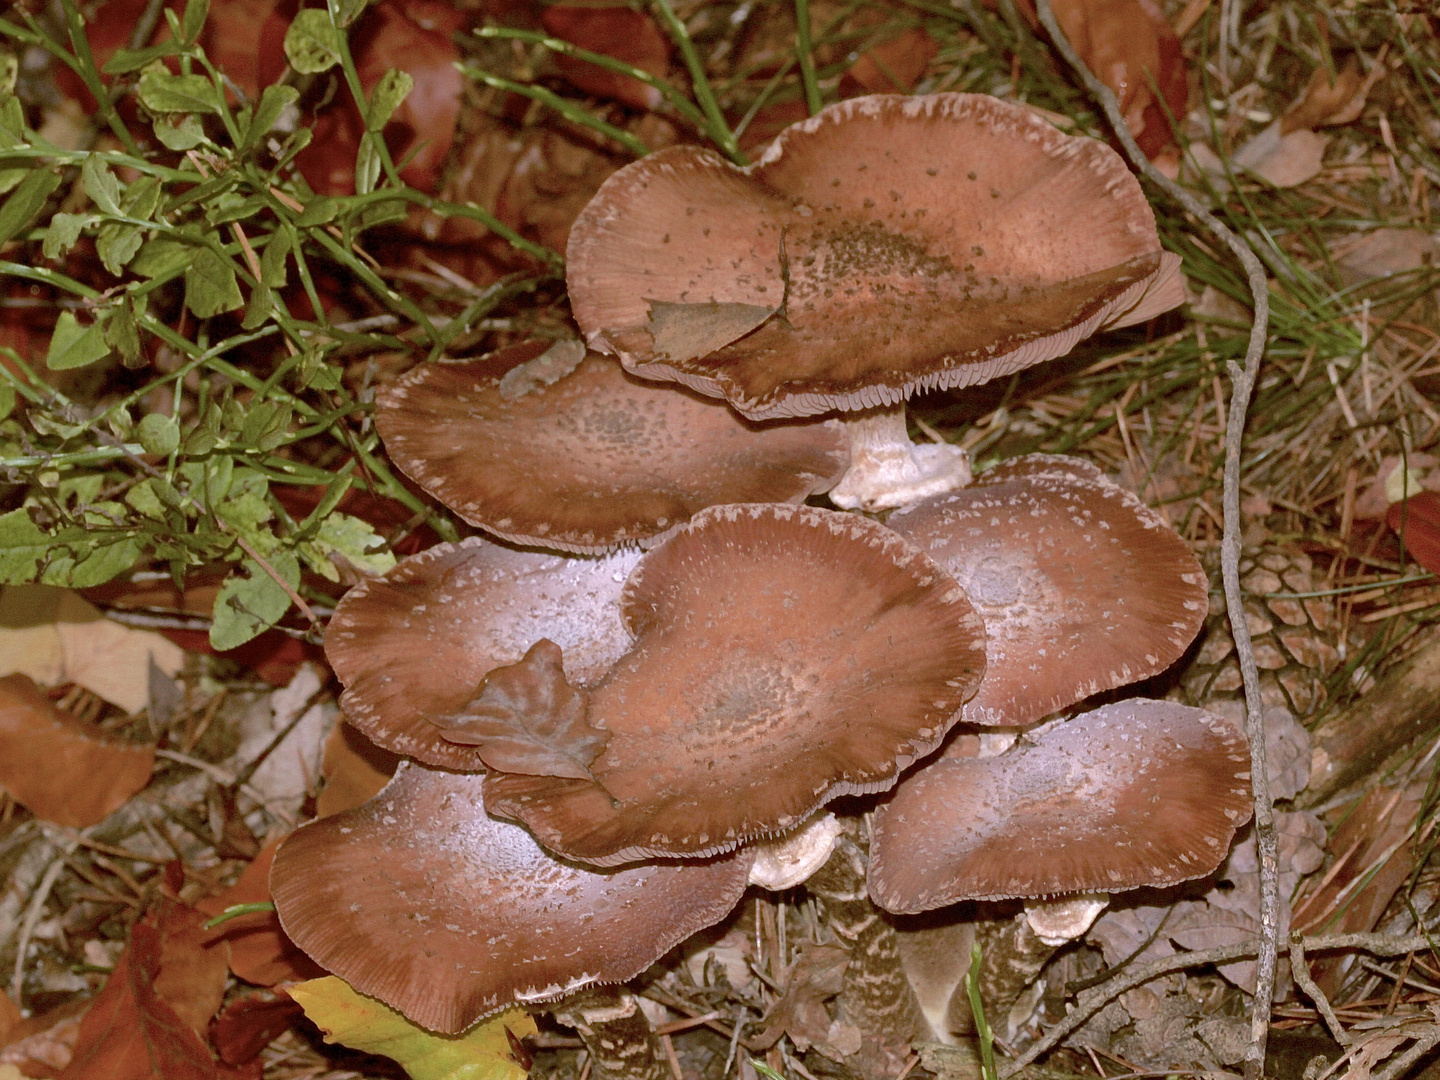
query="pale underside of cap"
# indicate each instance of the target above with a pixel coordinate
(783, 656)
(419, 899)
(418, 642)
(1083, 588)
(549, 447)
(1132, 794)
(897, 244)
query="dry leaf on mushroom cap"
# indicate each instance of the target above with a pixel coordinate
(415, 646)
(1082, 587)
(420, 899)
(551, 447)
(899, 243)
(1136, 793)
(783, 656)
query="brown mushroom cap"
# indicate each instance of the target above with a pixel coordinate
(1082, 587)
(421, 900)
(783, 656)
(418, 642)
(551, 447)
(1135, 793)
(913, 242)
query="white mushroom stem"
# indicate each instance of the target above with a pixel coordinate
(887, 470)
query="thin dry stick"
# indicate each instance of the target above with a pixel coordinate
(1242, 382)
(1300, 969)
(1091, 1001)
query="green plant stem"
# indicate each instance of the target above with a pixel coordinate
(564, 106)
(715, 127)
(805, 51)
(677, 100)
(352, 80)
(89, 73)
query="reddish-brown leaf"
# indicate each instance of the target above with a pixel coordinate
(130, 1033)
(1130, 46)
(619, 32)
(354, 769)
(193, 964)
(413, 36)
(9, 1015)
(249, 1023)
(260, 952)
(1417, 521)
(891, 67)
(43, 1045)
(245, 39)
(64, 770)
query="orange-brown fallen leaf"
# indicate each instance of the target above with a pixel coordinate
(354, 769)
(260, 952)
(10, 1015)
(1132, 48)
(130, 1033)
(43, 1045)
(891, 67)
(616, 31)
(1328, 101)
(193, 965)
(63, 769)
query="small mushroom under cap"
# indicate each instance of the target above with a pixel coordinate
(419, 899)
(1083, 588)
(783, 656)
(887, 245)
(414, 646)
(559, 449)
(1136, 793)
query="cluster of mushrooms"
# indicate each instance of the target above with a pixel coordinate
(635, 695)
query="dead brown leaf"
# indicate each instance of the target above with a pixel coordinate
(10, 1015)
(817, 975)
(1329, 100)
(193, 965)
(130, 1033)
(63, 769)
(1132, 48)
(248, 1024)
(260, 952)
(354, 769)
(616, 31)
(893, 66)
(43, 1045)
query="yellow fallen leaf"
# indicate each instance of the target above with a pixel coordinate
(360, 1022)
(54, 636)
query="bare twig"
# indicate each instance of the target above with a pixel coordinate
(1300, 970)
(1242, 380)
(1092, 1001)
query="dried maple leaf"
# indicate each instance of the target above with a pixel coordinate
(130, 1033)
(527, 719)
(63, 769)
(260, 952)
(616, 31)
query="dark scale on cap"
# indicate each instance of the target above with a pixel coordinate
(546, 446)
(419, 899)
(1136, 793)
(1082, 587)
(980, 288)
(783, 657)
(414, 646)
